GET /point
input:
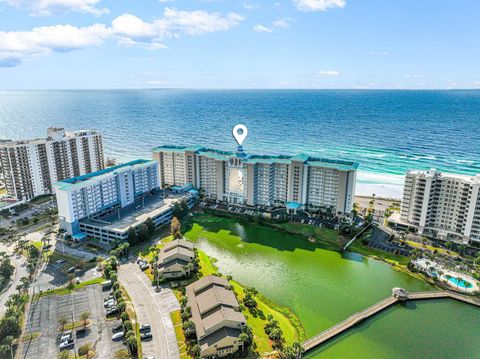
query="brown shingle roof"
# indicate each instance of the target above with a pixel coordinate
(212, 302)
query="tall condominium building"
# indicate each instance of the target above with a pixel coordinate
(30, 167)
(442, 205)
(92, 203)
(294, 181)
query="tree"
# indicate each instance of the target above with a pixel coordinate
(249, 301)
(196, 351)
(180, 209)
(85, 349)
(62, 321)
(132, 236)
(124, 317)
(64, 355)
(131, 342)
(189, 328)
(275, 334)
(9, 326)
(175, 228)
(150, 225)
(121, 306)
(84, 317)
(144, 233)
(294, 351)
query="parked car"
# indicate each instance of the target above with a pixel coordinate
(112, 311)
(71, 270)
(118, 336)
(117, 328)
(146, 336)
(67, 335)
(67, 344)
(110, 297)
(110, 303)
(144, 266)
(144, 328)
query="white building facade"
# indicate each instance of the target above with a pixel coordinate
(108, 190)
(255, 180)
(442, 205)
(30, 167)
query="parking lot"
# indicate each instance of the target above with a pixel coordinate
(56, 273)
(45, 313)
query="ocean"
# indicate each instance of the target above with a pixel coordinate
(387, 132)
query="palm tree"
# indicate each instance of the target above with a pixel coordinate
(459, 280)
(62, 322)
(131, 342)
(84, 317)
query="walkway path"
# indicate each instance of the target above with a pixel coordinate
(152, 308)
(356, 318)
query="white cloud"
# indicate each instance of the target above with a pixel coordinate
(248, 6)
(379, 53)
(319, 5)
(17, 45)
(477, 83)
(129, 30)
(49, 7)
(261, 28)
(328, 73)
(280, 23)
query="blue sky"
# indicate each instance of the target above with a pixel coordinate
(239, 44)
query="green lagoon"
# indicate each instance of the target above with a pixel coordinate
(323, 287)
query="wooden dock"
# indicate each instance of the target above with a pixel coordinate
(356, 318)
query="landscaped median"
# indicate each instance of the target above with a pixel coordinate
(68, 289)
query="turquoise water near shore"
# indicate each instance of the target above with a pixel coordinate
(388, 132)
(324, 287)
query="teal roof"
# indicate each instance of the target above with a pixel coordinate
(92, 178)
(226, 155)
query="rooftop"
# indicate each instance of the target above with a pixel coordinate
(437, 174)
(134, 214)
(251, 158)
(92, 178)
(213, 303)
(58, 134)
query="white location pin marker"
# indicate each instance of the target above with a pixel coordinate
(240, 132)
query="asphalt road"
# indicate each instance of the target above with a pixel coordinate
(152, 308)
(20, 271)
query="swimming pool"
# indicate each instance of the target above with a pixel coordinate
(462, 283)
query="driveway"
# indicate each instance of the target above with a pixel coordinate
(152, 308)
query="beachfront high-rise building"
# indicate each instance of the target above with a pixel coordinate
(30, 167)
(442, 205)
(290, 181)
(94, 203)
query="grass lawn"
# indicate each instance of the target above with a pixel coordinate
(431, 248)
(182, 342)
(130, 309)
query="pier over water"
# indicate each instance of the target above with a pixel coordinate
(398, 295)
